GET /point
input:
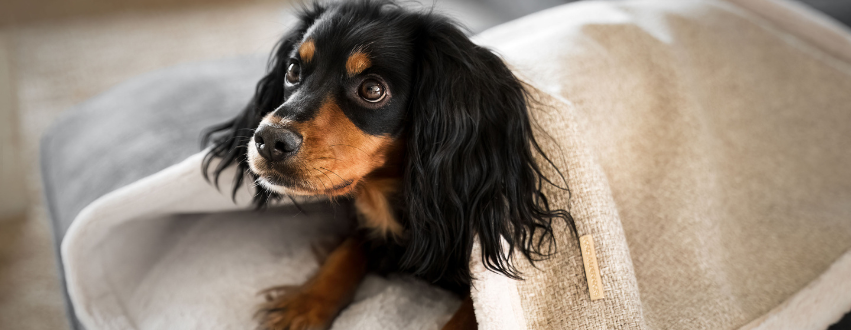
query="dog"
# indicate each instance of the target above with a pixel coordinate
(426, 133)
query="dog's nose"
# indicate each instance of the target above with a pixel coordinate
(276, 144)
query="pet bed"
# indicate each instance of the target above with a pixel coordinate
(707, 147)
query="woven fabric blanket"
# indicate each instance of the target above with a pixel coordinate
(707, 147)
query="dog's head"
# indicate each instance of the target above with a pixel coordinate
(365, 89)
(344, 78)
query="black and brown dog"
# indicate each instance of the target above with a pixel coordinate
(427, 133)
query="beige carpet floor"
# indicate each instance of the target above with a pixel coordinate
(59, 63)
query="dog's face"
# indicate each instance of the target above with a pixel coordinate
(346, 87)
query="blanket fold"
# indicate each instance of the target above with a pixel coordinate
(723, 138)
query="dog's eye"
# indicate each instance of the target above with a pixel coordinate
(293, 73)
(371, 90)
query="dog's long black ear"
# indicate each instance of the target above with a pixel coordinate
(470, 162)
(230, 139)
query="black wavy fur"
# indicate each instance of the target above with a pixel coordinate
(470, 167)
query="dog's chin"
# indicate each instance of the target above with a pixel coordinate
(268, 185)
(297, 188)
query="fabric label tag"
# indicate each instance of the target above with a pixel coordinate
(592, 271)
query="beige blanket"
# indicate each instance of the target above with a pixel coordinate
(708, 146)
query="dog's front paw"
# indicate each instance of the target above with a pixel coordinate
(295, 308)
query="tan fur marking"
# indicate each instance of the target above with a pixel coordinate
(357, 62)
(306, 50)
(335, 151)
(274, 120)
(371, 201)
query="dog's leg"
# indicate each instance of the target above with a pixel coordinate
(464, 318)
(315, 304)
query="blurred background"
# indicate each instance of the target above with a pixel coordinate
(57, 53)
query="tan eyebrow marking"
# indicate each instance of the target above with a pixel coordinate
(357, 62)
(306, 50)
